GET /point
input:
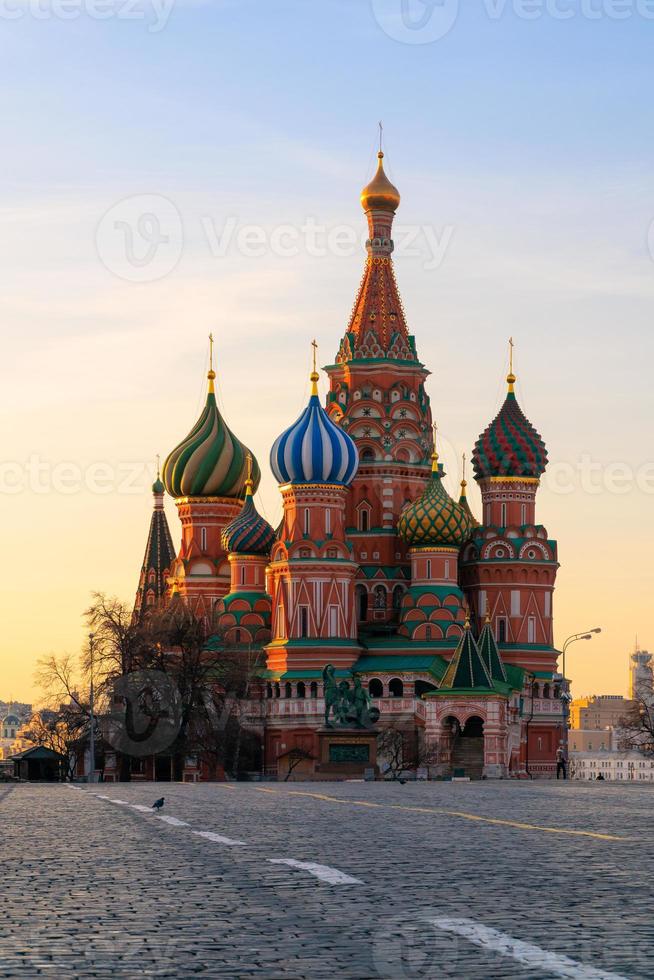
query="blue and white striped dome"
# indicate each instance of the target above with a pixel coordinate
(314, 449)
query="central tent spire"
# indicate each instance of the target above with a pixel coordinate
(377, 327)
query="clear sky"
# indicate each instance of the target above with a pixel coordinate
(167, 171)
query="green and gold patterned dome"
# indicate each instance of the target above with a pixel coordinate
(210, 461)
(434, 520)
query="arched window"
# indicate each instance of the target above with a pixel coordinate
(313, 689)
(269, 691)
(203, 538)
(380, 597)
(376, 688)
(428, 632)
(304, 621)
(307, 521)
(278, 692)
(301, 690)
(237, 636)
(364, 519)
(396, 688)
(398, 595)
(361, 593)
(288, 690)
(367, 456)
(546, 691)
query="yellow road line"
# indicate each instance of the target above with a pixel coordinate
(453, 813)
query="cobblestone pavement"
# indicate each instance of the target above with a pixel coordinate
(94, 887)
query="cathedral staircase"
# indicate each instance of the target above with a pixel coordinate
(468, 757)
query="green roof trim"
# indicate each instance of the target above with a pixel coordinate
(424, 663)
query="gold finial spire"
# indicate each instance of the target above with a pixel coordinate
(381, 134)
(249, 483)
(314, 374)
(464, 482)
(434, 455)
(158, 458)
(510, 378)
(212, 374)
(467, 623)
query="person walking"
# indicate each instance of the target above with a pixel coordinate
(561, 763)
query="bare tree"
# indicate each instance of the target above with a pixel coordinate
(404, 750)
(636, 728)
(294, 758)
(64, 731)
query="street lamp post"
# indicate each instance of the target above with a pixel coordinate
(566, 697)
(91, 718)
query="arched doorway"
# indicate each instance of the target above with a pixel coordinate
(468, 749)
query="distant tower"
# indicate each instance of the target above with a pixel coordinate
(641, 675)
(206, 475)
(311, 571)
(377, 395)
(509, 566)
(159, 556)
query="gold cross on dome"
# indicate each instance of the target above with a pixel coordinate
(314, 344)
(511, 346)
(211, 352)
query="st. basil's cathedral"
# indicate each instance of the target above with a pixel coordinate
(375, 569)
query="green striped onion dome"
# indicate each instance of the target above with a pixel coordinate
(248, 533)
(210, 461)
(434, 519)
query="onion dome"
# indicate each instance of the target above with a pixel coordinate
(210, 461)
(434, 520)
(248, 533)
(510, 446)
(314, 449)
(380, 193)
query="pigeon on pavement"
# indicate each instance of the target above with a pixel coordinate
(157, 805)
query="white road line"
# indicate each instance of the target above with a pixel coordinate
(139, 806)
(219, 839)
(174, 821)
(528, 954)
(322, 871)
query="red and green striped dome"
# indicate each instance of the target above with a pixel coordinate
(210, 461)
(510, 446)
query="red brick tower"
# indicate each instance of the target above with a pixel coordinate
(311, 573)
(206, 474)
(509, 566)
(377, 395)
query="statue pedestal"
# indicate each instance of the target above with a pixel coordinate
(346, 752)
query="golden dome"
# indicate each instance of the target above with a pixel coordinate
(380, 193)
